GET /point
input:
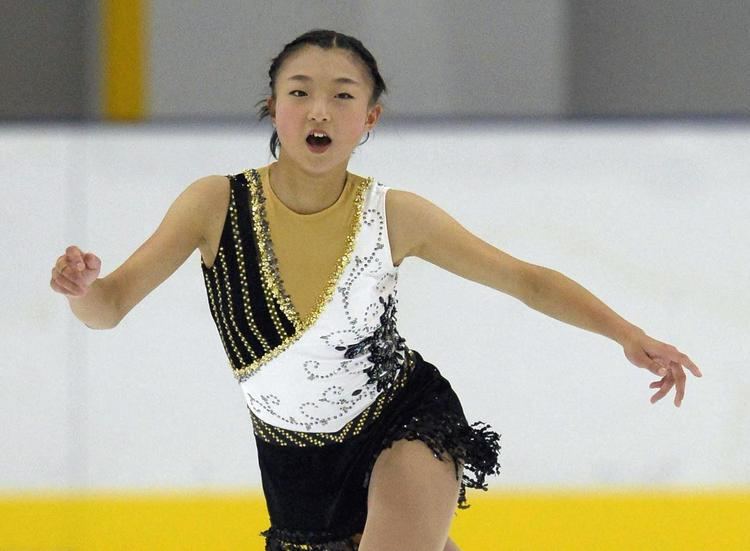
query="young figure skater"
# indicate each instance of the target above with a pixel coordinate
(362, 443)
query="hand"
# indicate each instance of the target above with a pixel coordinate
(74, 272)
(661, 359)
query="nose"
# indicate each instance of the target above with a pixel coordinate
(319, 111)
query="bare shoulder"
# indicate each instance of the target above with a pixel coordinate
(181, 230)
(413, 217)
(213, 192)
(423, 229)
(402, 201)
(404, 210)
(213, 188)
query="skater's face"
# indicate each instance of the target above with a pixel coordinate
(308, 95)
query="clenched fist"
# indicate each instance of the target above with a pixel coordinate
(74, 272)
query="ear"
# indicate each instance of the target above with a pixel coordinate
(373, 116)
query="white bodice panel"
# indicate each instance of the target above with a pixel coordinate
(311, 386)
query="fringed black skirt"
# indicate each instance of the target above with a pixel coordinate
(317, 495)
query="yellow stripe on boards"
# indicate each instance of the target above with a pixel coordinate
(124, 59)
(654, 519)
(559, 521)
(133, 521)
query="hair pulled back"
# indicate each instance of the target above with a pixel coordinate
(325, 39)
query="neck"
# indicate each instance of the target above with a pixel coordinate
(305, 192)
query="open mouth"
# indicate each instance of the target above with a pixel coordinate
(318, 144)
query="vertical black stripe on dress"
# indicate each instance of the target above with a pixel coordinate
(248, 327)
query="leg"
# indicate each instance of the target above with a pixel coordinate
(411, 499)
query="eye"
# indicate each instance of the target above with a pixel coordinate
(293, 91)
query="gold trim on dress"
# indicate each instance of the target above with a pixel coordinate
(220, 261)
(271, 278)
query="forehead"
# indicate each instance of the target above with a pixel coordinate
(313, 63)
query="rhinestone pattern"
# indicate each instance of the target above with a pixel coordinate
(272, 284)
(346, 391)
(269, 263)
(244, 326)
(283, 437)
(346, 311)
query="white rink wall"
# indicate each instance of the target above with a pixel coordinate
(650, 217)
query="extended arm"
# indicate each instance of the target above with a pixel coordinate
(102, 303)
(438, 238)
(559, 297)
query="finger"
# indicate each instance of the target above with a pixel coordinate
(62, 265)
(657, 384)
(654, 365)
(75, 257)
(64, 285)
(60, 289)
(687, 362)
(91, 261)
(68, 277)
(55, 286)
(666, 387)
(61, 262)
(679, 383)
(63, 282)
(682, 359)
(66, 273)
(660, 382)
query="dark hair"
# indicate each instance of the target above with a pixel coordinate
(328, 40)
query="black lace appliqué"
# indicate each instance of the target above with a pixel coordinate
(474, 446)
(385, 345)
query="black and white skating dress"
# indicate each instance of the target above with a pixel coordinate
(327, 391)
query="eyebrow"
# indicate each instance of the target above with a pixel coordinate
(305, 78)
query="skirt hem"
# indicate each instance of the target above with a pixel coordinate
(474, 447)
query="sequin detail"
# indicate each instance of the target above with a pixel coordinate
(386, 348)
(280, 436)
(475, 447)
(244, 325)
(295, 540)
(271, 278)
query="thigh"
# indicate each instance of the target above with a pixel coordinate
(411, 499)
